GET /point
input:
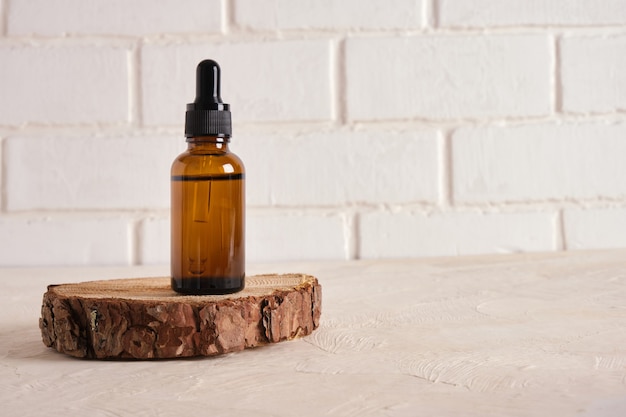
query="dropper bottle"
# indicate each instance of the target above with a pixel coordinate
(208, 197)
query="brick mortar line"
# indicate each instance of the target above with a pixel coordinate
(557, 81)
(100, 214)
(351, 225)
(445, 174)
(486, 206)
(135, 242)
(351, 235)
(31, 41)
(4, 17)
(339, 82)
(228, 19)
(560, 232)
(425, 207)
(357, 236)
(507, 207)
(126, 128)
(3, 193)
(431, 14)
(135, 118)
(235, 35)
(426, 29)
(560, 118)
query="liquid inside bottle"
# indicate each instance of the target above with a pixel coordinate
(208, 220)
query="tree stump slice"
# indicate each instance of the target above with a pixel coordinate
(145, 319)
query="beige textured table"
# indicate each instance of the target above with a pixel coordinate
(514, 335)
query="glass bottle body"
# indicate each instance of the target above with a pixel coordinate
(208, 219)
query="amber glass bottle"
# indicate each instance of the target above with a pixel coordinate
(208, 197)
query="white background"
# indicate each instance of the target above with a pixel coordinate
(369, 128)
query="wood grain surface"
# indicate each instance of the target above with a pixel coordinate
(144, 319)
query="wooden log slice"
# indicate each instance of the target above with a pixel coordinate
(145, 319)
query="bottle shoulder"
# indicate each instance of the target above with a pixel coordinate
(194, 163)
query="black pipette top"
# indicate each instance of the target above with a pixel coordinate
(208, 115)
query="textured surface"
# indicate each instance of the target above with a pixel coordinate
(145, 319)
(470, 122)
(514, 335)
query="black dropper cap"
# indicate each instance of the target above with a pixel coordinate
(208, 115)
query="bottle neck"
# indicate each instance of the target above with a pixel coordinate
(208, 143)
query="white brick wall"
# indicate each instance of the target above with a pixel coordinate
(595, 228)
(593, 78)
(329, 15)
(90, 173)
(62, 240)
(2, 18)
(312, 169)
(154, 240)
(268, 81)
(369, 128)
(64, 84)
(271, 235)
(448, 77)
(539, 162)
(406, 234)
(280, 235)
(113, 17)
(484, 13)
